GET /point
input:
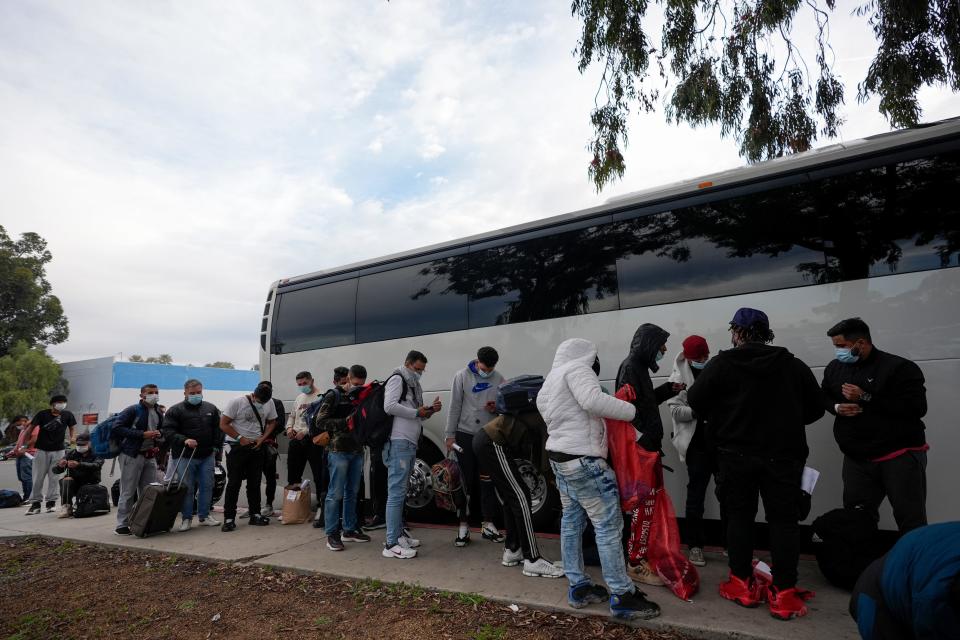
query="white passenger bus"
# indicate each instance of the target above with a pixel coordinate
(869, 228)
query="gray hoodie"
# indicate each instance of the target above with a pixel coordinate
(407, 424)
(469, 395)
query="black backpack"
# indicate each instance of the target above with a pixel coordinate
(846, 542)
(9, 498)
(370, 423)
(92, 500)
(519, 394)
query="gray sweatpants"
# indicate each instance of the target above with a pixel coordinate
(135, 474)
(43, 464)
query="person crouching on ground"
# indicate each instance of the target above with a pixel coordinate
(573, 406)
(81, 467)
(758, 400)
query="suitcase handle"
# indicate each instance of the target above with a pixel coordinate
(176, 468)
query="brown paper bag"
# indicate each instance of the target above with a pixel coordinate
(296, 505)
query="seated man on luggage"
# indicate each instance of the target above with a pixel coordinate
(81, 468)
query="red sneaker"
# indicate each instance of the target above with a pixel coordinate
(745, 593)
(787, 603)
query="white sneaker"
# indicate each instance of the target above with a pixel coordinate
(185, 524)
(64, 511)
(401, 553)
(511, 558)
(210, 521)
(267, 511)
(407, 542)
(541, 568)
(696, 557)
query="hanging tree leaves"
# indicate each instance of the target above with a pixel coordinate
(735, 63)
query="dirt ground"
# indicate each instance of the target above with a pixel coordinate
(52, 589)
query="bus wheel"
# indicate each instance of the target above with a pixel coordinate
(544, 498)
(420, 486)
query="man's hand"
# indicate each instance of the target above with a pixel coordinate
(190, 442)
(851, 392)
(849, 410)
(436, 405)
(73, 464)
(62, 463)
(151, 434)
(679, 386)
(322, 440)
(491, 407)
(450, 442)
(424, 412)
(291, 433)
(259, 442)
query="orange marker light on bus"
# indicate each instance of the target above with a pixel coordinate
(703, 185)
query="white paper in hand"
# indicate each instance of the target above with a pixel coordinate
(809, 481)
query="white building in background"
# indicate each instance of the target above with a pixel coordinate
(101, 387)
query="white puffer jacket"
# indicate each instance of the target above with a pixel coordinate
(684, 424)
(573, 404)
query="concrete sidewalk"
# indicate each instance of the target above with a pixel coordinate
(475, 568)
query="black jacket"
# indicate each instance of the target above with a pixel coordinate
(201, 422)
(757, 400)
(335, 407)
(891, 420)
(89, 470)
(635, 371)
(131, 425)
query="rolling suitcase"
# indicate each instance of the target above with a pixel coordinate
(156, 510)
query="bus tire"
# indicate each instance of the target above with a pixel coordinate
(420, 485)
(544, 497)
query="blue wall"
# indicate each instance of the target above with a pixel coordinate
(133, 375)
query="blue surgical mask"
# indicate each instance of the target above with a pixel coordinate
(659, 356)
(306, 388)
(483, 374)
(697, 365)
(419, 374)
(195, 398)
(846, 356)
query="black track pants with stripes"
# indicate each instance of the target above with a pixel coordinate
(512, 492)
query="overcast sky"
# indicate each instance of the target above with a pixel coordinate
(180, 156)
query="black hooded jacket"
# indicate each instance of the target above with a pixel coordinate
(758, 400)
(635, 371)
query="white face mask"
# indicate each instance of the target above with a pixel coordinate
(83, 449)
(60, 406)
(151, 398)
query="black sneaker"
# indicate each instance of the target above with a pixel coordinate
(334, 543)
(122, 531)
(376, 522)
(257, 520)
(462, 541)
(633, 606)
(319, 524)
(355, 536)
(51, 506)
(586, 593)
(34, 509)
(228, 525)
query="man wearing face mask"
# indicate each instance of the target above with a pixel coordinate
(690, 440)
(53, 424)
(879, 400)
(473, 395)
(647, 349)
(758, 399)
(248, 422)
(137, 430)
(192, 428)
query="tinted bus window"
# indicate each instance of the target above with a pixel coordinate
(411, 301)
(768, 240)
(563, 275)
(892, 219)
(316, 318)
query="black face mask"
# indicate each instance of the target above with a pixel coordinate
(596, 366)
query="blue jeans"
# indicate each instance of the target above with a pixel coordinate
(199, 470)
(345, 470)
(25, 475)
(588, 489)
(398, 457)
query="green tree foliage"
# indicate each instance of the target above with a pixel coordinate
(219, 364)
(28, 311)
(27, 377)
(163, 358)
(735, 63)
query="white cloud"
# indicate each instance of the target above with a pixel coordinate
(179, 158)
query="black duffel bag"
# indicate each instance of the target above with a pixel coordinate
(92, 500)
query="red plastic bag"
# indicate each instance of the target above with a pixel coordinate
(635, 468)
(664, 553)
